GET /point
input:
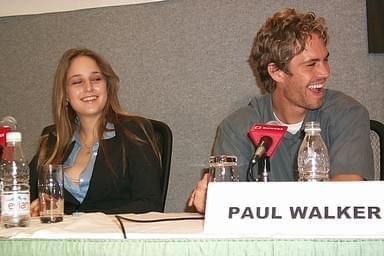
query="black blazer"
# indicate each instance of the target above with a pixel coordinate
(134, 189)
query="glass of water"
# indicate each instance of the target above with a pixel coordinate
(51, 193)
(223, 168)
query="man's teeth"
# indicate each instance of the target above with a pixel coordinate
(315, 86)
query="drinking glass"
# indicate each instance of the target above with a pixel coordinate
(223, 168)
(51, 194)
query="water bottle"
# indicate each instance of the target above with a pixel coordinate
(7, 124)
(313, 159)
(15, 199)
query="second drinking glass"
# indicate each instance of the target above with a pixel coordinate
(223, 168)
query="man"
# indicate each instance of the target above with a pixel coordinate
(290, 57)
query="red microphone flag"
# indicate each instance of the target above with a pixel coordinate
(276, 132)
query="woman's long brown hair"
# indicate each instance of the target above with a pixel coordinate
(65, 117)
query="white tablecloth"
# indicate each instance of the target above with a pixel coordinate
(99, 234)
(102, 226)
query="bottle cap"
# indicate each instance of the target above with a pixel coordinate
(312, 126)
(13, 137)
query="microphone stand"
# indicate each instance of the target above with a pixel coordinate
(264, 168)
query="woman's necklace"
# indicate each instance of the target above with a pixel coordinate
(88, 148)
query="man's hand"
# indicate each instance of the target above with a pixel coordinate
(35, 208)
(199, 194)
(347, 177)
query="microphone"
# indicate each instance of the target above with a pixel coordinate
(262, 148)
(266, 138)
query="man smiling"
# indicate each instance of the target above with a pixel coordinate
(290, 58)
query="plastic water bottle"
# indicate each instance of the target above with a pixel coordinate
(7, 124)
(313, 159)
(15, 199)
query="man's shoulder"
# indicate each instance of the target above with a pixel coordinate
(336, 98)
(340, 109)
(245, 116)
(339, 102)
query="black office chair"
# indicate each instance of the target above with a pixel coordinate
(164, 139)
(377, 143)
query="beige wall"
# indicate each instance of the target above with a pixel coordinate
(181, 61)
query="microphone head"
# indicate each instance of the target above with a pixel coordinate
(275, 132)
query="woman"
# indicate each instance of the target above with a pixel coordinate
(111, 159)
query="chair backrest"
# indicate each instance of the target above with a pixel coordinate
(377, 143)
(164, 139)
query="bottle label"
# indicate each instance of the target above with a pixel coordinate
(15, 203)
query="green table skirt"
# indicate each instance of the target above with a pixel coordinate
(195, 247)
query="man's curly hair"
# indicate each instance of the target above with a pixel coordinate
(282, 37)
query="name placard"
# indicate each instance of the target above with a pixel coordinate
(296, 209)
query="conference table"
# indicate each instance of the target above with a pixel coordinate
(164, 234)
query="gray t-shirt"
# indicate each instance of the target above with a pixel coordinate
(344, 126)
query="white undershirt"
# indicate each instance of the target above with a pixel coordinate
(292, 128)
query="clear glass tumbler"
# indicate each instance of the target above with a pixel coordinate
(51, 193)
(223, 168)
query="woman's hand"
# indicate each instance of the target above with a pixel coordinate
(199, 194)
(35, 208)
